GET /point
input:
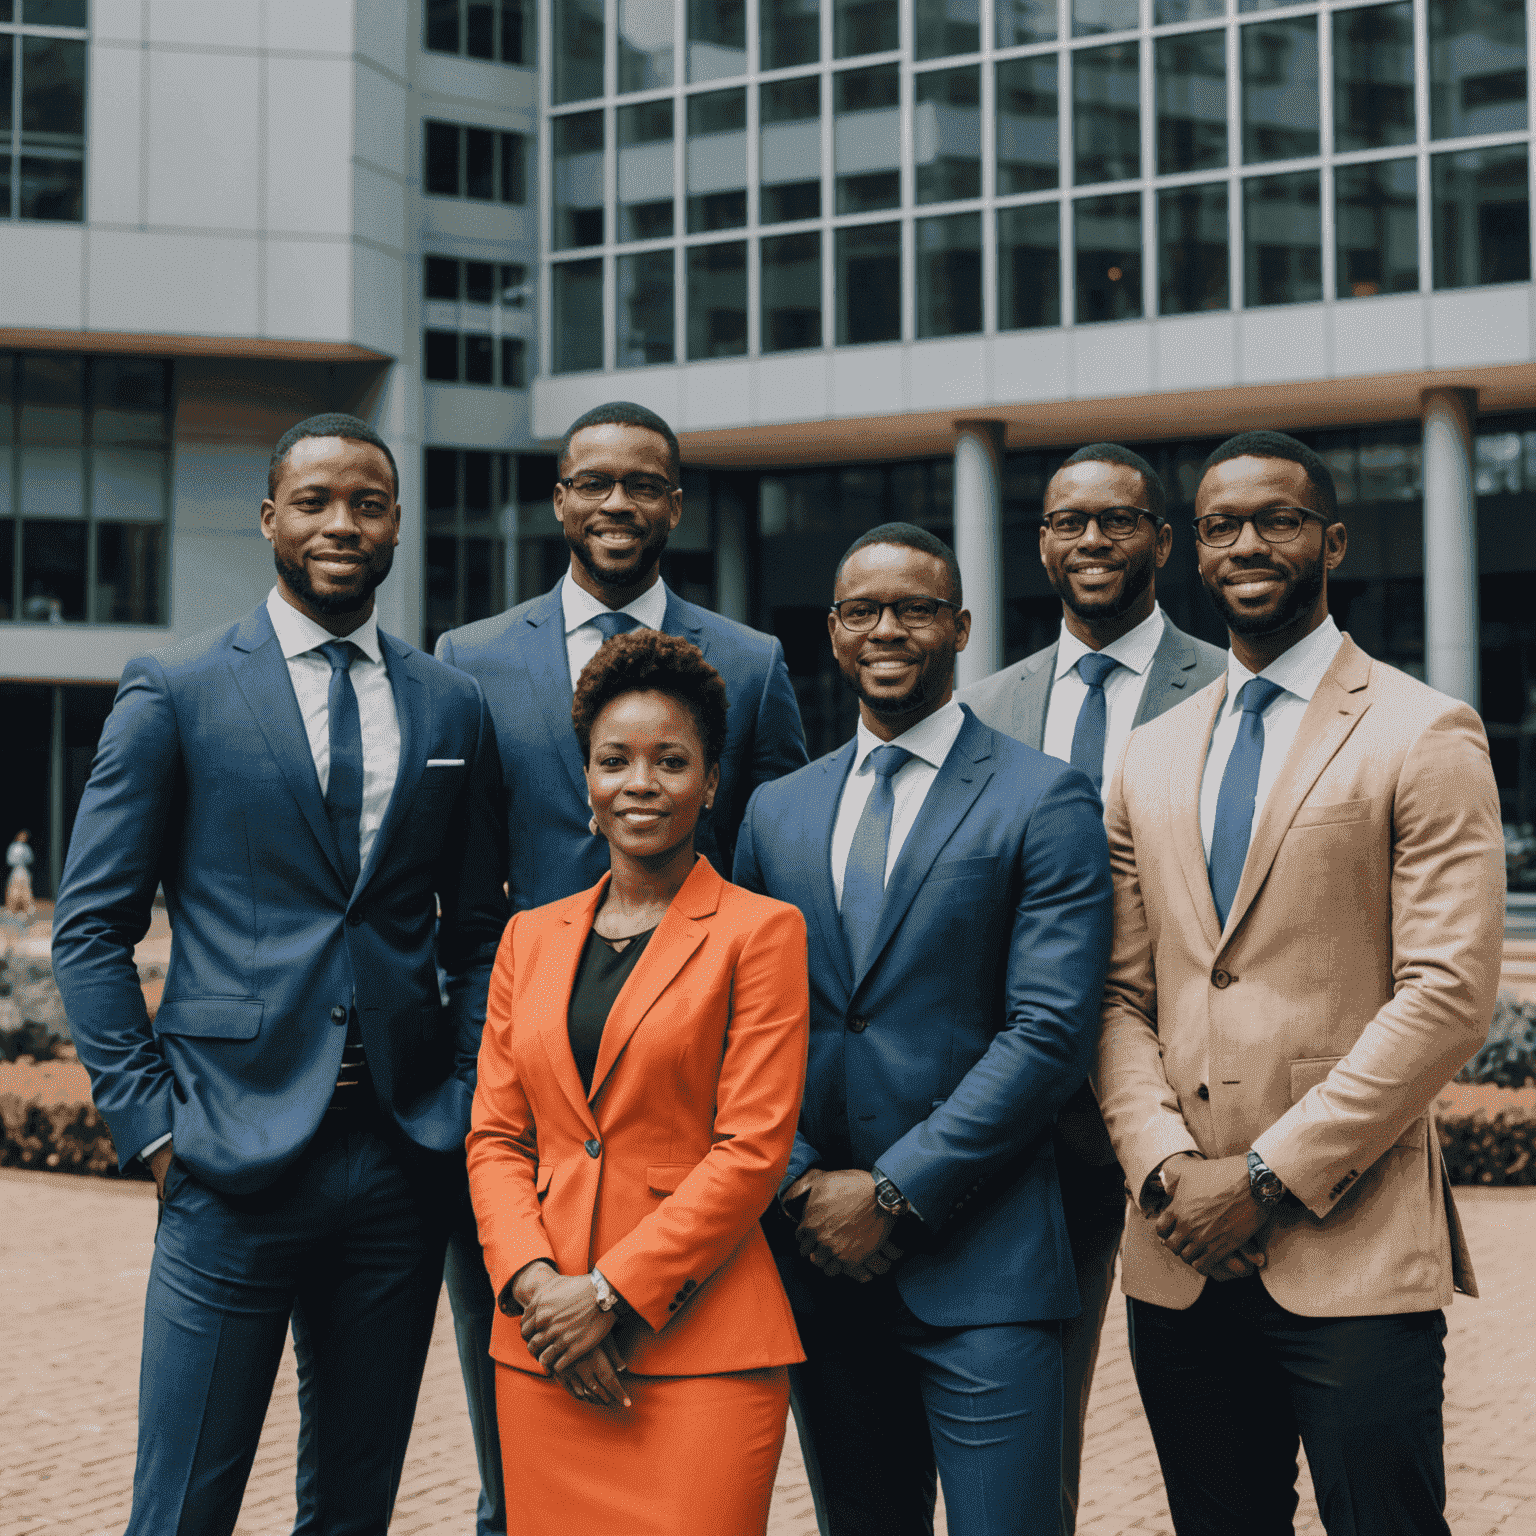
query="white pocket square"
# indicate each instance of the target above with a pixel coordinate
(445, 762)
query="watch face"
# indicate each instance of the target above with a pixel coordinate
(1270, 1187)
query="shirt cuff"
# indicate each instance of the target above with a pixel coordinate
(145, 1153)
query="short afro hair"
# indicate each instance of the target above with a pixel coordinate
(1113, 453)
(329, 424)
(648, 661)
(1279, 445)
(625, 413)
(909, 536)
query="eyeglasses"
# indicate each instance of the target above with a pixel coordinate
(1115, 522)
(862, 614)
(644, 490)
(1275, 525)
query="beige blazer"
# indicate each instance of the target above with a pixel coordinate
(1357, 971)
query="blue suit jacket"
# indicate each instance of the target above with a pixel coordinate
(204, 782)
(946, 1059)
(519, 659)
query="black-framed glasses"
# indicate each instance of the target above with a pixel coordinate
(1114, 522)
(645, 490)
(1275, 525)
(862, 614)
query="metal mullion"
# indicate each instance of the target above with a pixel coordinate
(88, 485)
(1147, 126)
(829, 294)
(988, 146)
(17, 585)
(544, 199)
(16, 137)
(752, 170)
(1325, 139)
(679, 225)
(1236, 266)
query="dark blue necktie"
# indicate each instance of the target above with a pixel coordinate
(344, 784)
(1092, 718)
(864, 874)
(1239, 787)
(612, 624)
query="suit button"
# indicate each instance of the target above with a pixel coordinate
(355, 917)
(594, 1147)
(858, 1026)
(1203, 1091)
(338, 1014)
(1220, 978)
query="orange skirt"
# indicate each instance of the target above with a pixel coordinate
(694, 1456)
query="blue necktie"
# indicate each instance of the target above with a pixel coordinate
(1092, 718)
(864, 874)
(612, 624)
(344, 785)
(1239, 788)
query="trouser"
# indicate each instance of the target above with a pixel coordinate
(348, 1243)
(1234, 1384)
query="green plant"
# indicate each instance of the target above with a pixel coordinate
(1484, 1149)
(1508, 1056)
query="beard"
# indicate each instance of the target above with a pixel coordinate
(1299, 599)
(1138, 577)
(646, 554)
(296, 578)
(936, 672)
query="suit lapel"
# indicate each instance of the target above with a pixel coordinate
(684, 620)
(1032, 698)
(413, 699)
(1168, 675)
(1186, 768)
(816, 839)
(549, 674)
(559, 957)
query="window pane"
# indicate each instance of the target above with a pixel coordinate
(645, 171)
(868, 284)
(513, 287)
(1028, 267)
(943, 27)
(717, 39)
(645, 44)
(55, 13)
(1280, 89)
(52, 93)
(52, 482)
(442, 584)
(717, 160)
(442, 157)
(1191, 102)
(1373, 77)
(517, 23)
(480, 163)
(643, 309)
(484, 578)
(52, 572)
(442, 25)
(791, 32)
(514, 169)
(7, 551)
(440, 278)
(1028, 158)
(127, 485)
(52, 397)
(790, 150)
(1482, 217)
(477, 488)
(1106, 113)
(479, 360)
(578, 178)
(1166, 12)
(1477, 80)
(7, 68)
(442, 480)
(949, 275)
(1376, 215)
(514, 367)
(1282, 240)
(866, 138)
(576, 291)
(52, 189)
(947, 135)
(129, 395)
(1091, 16)
(479, 281)
(440, 356)
(1025, 21)
(128, 574)
(863, 26)
(480, 30)
(717, 300)
(1107, 237)
(1192, 249)
(578, 49)
(791, 283)
(5, 182)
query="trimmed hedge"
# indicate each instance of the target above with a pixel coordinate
(64, 1138)
(1496, 1149)
(1508, 1057)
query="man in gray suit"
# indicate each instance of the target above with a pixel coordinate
(1117, 663)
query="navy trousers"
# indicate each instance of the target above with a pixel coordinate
(348, 1243)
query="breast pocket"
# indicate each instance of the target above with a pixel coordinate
(980, 868)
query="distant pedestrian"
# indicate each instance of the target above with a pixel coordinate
(19, 902)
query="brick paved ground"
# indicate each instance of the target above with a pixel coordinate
(74, 1254)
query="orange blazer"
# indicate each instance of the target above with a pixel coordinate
(659, 1174)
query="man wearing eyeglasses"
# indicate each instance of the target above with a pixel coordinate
(618, 498)
(1118, 662)
(1309, 902)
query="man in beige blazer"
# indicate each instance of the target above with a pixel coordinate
(1309, 897)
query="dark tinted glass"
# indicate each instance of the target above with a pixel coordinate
(1028, 267)
(863, 26)
(1280, 89)
(1107, 236)
(717, 300)
(442, 158)
(442, 583)
(517, 20)
(1477, 64)
(440, 278)
(791, 288)
(1024, 21)
(868, 280)
(578, 49)
(480, 30)
(480, 163)
(643, 309)
(866, 143)
(1191, 102)
(53, 92)
(514, 372)
(514, 169)
(129, 395)
(512, 285)
(790, 32)
(7, 74)
(1106, 113)
(1093, 16)
(645, 170)
(1027, 150)
(947, 134)
(52, 398)
(1376, 220)
(790, 149)
(441, 18)
(1282, 239)
(1373, 77)
(1166, 12)
(948, 275)
(7, 561)
(1192, 249)
(440, 356)
(717, 39)
(576, 288)
(479, 360)
(52, 189)
(52, 570)
(129, 573)
(54, 13)
(578, 179)
(943, 27)
(1482, 209)
(717, 160)
(479, 281)
(442, 479)
(477, 486)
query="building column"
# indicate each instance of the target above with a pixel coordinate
(1450, 545)
(979, 544)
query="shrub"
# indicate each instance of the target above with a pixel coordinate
(1508, 1057)
(1484, 1149)
(67, 1138)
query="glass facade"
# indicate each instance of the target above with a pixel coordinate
(42, 110)
(471, 512)
(886, 170)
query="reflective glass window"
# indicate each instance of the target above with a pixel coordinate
(643, 309)
(440, 278)
(946, 134)
(717, 160)
(717, 39)
(1280, 89)
(1192, 269)
(1093, 16)
(645, 170)
(54, 13)
(440, 356)
(645, 44)
(948, 252)
(1482, 206)
(576, 294)
(1024, 21)
(578, 179)
(53, 92)
(1167, 12)
(53, 563)
(866, 141)
(479, 360)
(52, 398)
(1028, 267)
(863, 26)
(1191, 72)
(1107, 242)
(791, 289)
(1373, 77)
(717, 300)
(789, 114)
(943, 27)
(578, 49)
(1028, 158)
(441, 156)
(1282, 240)
(868, 280)
(1106, 113)
(130, 567)
(1376, 224)
(480, 163)
(789, 33)
(1477, 67)
(49, 188)
(514, 362)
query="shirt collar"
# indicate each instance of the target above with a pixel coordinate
(1133, 651)
(929, 739)
(580, 607)
(1299, 671)
(296, 632)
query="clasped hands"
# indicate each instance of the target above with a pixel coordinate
(567, 1332)
(1211, 1220)
(842, 1229)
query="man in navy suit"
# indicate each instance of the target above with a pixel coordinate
(618, 498)
(956, 890)
(309, 791)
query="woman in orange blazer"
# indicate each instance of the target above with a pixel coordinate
(640, 1079)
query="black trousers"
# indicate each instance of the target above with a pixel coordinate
(1232, 1386)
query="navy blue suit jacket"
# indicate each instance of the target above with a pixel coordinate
(519, 659)
(946, 1059)
(204, 782)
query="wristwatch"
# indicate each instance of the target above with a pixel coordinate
(1264, 1183)
(607, 1297)
(890, 1199)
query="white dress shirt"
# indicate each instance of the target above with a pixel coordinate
(582, 638)
(1123, 689)
(1299, 671)
(930, 742)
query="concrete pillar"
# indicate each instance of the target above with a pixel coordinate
(1450, 544)
(979, 544)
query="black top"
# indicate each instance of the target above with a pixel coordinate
(600, 977)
